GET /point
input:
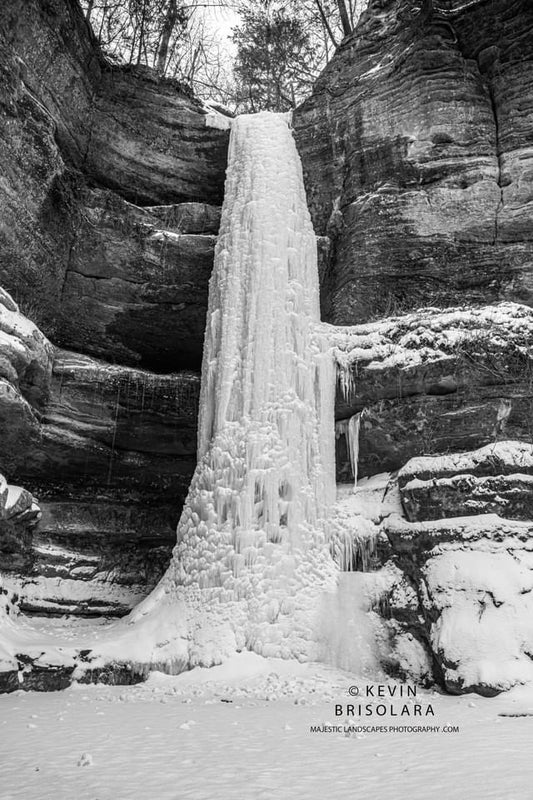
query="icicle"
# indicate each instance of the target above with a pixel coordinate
(355, 549)
(349, 428)
(354, 425)
(346, 376)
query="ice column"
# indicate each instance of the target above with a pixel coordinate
(252, 555)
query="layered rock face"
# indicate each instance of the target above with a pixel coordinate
(109, 208)
(417, 152)
(136, 288)
(418, 161)
(453, 539)
(109, 450)
(70, 124)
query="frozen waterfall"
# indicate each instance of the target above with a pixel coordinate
(252, 556)
(260, 541)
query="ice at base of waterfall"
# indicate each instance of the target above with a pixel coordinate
(344, 630)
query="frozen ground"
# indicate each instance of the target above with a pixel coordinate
(242, 731)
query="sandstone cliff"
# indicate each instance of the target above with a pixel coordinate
(71, 125)
(417, 147)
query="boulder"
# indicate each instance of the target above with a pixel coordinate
(19, 513)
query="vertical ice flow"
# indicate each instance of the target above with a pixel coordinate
(252, 554)
(260, 370)
(350, 428)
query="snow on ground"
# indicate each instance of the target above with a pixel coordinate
(242, 730)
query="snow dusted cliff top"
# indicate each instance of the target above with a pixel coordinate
(429, 334)
(502, 458)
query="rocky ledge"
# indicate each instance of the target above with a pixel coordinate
(435, 382)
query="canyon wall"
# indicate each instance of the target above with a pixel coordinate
(417, 149)
(417, 145)
(110, 191)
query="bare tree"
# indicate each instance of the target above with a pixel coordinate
(173, 38)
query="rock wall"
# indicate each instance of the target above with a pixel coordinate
(466, 561)
(417, 145)
(435, 382)
(109, 451)
(109, 208)
(72, 124)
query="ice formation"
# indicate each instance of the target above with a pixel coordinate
(256, 564)
(252, 556)
(350, 429)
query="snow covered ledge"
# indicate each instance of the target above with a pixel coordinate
(430, 336)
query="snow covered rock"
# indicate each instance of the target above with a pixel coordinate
(498, 458)
(470, 581)
(435, 381)
(25, 353)
(19, 514)
(26, 358)
(495, 479)
(479, 607)
(20, 506)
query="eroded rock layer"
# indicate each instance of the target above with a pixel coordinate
(435, 382)
(109, 451)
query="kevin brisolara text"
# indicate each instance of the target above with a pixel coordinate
(382, 709)
(383, 729)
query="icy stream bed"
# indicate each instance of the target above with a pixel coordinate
(243, 730)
